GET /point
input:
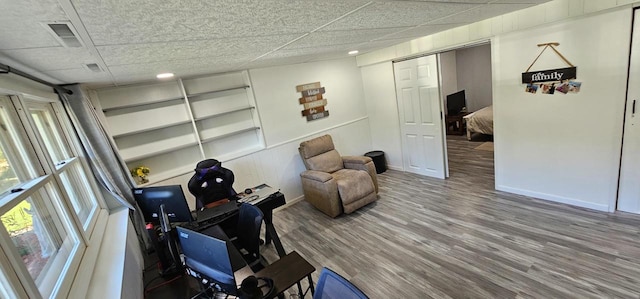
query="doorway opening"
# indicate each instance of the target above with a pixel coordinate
(466, 85)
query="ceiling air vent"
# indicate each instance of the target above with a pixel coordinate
(93, 67)
(64, 33)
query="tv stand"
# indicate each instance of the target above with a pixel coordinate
(455, 124)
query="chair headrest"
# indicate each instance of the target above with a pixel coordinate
(207, 166)
(316, 146)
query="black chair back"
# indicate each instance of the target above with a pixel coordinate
(170, 241)
(211, 182)
(249, 225)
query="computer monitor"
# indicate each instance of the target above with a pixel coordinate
(209, 258)
(455, 103)
(150, 198)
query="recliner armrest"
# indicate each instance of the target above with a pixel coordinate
(316, 175)
(356, 162)
(356, 159)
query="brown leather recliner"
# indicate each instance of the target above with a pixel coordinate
(335, 184)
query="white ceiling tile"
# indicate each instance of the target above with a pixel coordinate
(379, 44)
(311, 51)
(20, 23)
(268, 61)
(419, 31)
(193, 67)
(47, 59)
(397, 14)
(535, 2)
(332, 51)
(481, 13)
(158, 20)
(328, 38)
(204, 49)
(138, 39)
(79, 75)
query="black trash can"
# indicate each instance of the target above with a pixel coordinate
(378, 160)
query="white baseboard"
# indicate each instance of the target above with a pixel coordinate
(290, 202)
(555, 198)
(393, 167)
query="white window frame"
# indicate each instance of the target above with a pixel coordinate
(72, 146)
(48, 174)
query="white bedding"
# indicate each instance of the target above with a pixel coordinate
(480, 121)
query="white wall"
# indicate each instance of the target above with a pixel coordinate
(279, 165)
(564, 148)
(380, 95)
(277, 98)
(482, 31)
(448, 73)
(12, 84)
(473, 69)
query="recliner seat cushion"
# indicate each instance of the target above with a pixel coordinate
(353, 185)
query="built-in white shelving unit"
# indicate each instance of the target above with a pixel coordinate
(170, 127)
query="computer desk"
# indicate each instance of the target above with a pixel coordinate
(285, 272)
(267, 206)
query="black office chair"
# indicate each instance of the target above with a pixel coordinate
(211, 183)
(171, 243)
(333, 285)
(249, 224)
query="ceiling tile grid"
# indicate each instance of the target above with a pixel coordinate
(327, 38)
(419, 31)
(79, 75)
(146, 21)
(480, 13)
(186, 68)
(22, 19)
(275, 59)
(397, 14)
(47, 59)
(183, 50)
(138, 39)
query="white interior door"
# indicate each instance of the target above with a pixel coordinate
(629, 185)
(418, 96)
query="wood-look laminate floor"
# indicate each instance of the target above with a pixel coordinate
(459, 238)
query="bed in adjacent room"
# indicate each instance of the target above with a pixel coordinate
(480, 121)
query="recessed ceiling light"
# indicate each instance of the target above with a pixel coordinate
(354, 52)
(164, 75)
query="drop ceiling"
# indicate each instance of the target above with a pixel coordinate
(132, 41)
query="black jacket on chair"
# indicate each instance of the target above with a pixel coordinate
(211, 182)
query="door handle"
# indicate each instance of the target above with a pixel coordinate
(633, 107)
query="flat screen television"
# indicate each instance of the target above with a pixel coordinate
(150, 198)
(455, 103)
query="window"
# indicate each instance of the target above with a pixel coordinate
(48, 203)
(67, 165)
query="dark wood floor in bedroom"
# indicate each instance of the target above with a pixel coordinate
(459, 238)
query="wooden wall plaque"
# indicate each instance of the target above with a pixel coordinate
(317, 115)
(315, 104)
(312, 100)
(308, 86)
(312, 111)
(312, 92)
